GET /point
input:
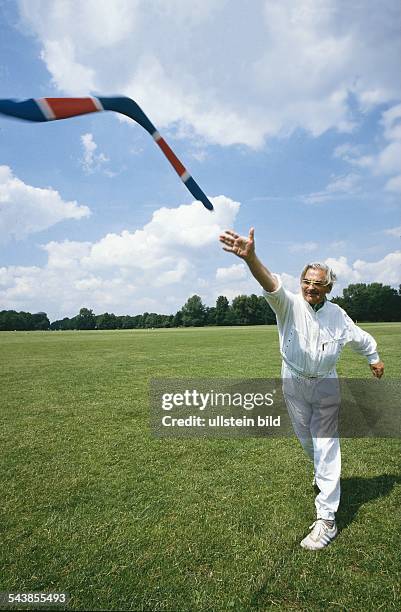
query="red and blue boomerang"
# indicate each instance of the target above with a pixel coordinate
(50, 109)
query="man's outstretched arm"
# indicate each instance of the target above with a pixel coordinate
(364, 344)
(244, 248)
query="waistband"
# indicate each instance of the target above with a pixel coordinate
(298, 372)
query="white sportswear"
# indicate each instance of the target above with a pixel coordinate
(311, 342)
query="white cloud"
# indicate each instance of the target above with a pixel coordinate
(290, 281)
(245, 287)
(66, 253)
(337, 244)
(303, 247)
(232, 273)
(225, 78)
(394, 231)
(91, 160)
(128, 272)
(387, 161)
(387, 270)
(391, 121)
(67, 73)
(25, 209)
(390, 158)
(344, 183)
(394, 184)
(352, 154)
(155, 268)
(339, 185)
(169, 233)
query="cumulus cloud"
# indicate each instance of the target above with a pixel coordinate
(91, 160)
(232, 273)
(290, 281)
(25, 209)
(169, 233)
(156, 268)
(288, 65)
(387, 270)
(65, 254)
(127, 272)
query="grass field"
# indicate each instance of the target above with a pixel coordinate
(94, 505)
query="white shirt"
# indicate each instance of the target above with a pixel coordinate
(311, 342)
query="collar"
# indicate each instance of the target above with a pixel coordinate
(318, 306)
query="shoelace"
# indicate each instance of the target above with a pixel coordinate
(321, 528)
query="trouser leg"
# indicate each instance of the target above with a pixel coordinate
(300, 414)
(327, 462)
(327, 453)
(313, 410)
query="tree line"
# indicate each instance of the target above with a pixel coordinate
(244, 310)
(373, 302)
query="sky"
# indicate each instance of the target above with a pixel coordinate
(288, 116)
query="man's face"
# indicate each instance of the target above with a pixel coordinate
(314, 292)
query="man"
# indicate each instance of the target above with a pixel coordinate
(312, 332)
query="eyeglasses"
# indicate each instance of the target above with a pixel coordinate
(306, 281)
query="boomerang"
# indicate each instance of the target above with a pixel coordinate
(51, 109)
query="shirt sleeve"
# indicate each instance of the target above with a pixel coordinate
(361, 342)
(279, 300)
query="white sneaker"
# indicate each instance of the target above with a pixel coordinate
(320, 536)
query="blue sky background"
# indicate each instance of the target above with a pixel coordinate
(288, 116)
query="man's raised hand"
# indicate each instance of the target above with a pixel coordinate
(242, 246)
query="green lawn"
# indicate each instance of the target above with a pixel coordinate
(94, 505)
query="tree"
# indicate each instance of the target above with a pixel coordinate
(40, 321)
(375, 302)
(107, 321)
(177, 321)
(152, 320)
(11, 320)
(241, 311)
(210, 315)
(127, 322)
(266, 314)
(138, 321)
(85, 320)
(254, 316)
(193, 312)
(222, 310)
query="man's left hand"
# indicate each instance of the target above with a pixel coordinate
(377, 369)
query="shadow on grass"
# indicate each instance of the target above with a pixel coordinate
(355, 492)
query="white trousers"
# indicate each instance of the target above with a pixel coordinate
(313, 405)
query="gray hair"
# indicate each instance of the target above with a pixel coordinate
(331, 276)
